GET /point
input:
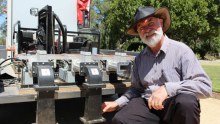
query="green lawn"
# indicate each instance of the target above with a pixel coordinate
(213, 70)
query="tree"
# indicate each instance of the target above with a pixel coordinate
(118, 20)
(98, 14)
(194, 22)
(3, 4)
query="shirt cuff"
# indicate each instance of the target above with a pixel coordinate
(172, 88)
(122, 101)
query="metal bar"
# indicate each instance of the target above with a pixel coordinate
(45, 108)
(64, 41)
(19, 38)
(93, 96)
(99, 42)
(92, 112)
(74, 32)
(34, 29)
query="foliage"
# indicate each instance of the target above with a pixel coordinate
(98, 14)
(134, 45)
(209, 57)
(198, 56)
(117, 20)
(2, 41)
(3, 30)
(195, 22)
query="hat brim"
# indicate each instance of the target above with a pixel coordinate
(162, 13)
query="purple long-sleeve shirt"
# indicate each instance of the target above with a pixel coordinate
(175, 66)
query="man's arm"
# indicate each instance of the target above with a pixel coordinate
(134, 91)
(136, 87)
(195, 80)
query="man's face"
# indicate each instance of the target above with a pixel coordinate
(150, 31)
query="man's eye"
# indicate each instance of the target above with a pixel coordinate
(151, 24)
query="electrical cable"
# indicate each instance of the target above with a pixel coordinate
(8, 59)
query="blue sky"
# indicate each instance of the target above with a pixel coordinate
(2, 18)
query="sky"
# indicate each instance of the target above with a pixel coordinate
(65, 10)
(21, 11)
(2, 18)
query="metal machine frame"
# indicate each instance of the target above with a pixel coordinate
(92, 72)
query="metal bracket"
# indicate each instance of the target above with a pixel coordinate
(83, 66)
(93, 96)
(45, 87)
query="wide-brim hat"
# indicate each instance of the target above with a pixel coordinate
(148, 11)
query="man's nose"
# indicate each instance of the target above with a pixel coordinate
(145, 30)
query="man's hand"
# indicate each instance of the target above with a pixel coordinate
(109, 106)
(156, 99)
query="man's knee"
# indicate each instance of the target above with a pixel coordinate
(136, 111)
(185, 102)
(186, 110)
(117, 119)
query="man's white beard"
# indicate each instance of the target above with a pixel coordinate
(154, 40)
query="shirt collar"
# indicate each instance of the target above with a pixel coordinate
(163, 48)
(165, 44)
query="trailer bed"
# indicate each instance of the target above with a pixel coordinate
(14, 94)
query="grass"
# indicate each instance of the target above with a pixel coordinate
(213, 71)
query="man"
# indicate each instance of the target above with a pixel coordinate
(167, 79)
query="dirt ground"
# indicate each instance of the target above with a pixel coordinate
(210, 111)
(206, 62)
(210, 108)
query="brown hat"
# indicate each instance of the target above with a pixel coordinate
(148, 11)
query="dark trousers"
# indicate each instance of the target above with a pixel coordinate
(180, 109)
